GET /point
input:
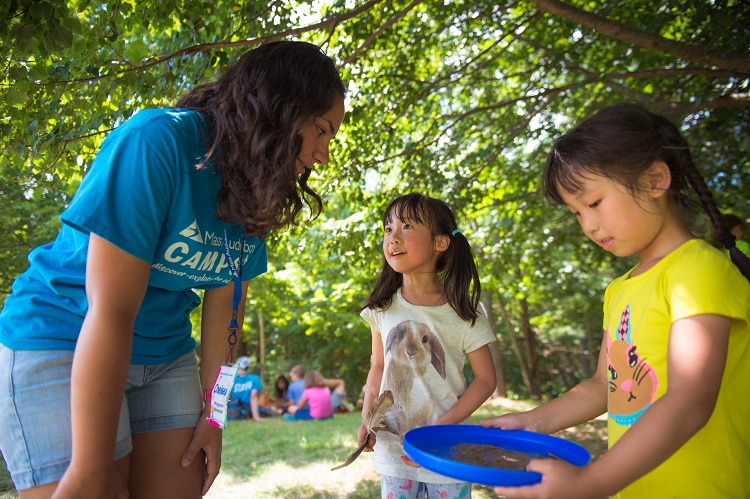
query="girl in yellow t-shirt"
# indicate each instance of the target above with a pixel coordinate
(674, 367)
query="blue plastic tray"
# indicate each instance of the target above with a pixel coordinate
(432, 446)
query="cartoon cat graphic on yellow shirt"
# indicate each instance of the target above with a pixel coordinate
(632, 382)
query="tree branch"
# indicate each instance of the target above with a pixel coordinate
(203, 47)
(671, 108)
(738, 64)
(680, 108)
(424, 143)
(390, 22)
(670, 72)
(262, 39)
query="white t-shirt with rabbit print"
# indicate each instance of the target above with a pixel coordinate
(425, 350)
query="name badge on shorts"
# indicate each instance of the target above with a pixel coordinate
(220, 395)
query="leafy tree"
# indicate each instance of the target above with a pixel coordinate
(459, 100)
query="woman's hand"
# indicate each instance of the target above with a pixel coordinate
(217, 314)
(511, 421)
(206, 438)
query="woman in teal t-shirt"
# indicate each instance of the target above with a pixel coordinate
(177, 199)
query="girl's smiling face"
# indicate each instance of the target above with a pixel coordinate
(409, 247)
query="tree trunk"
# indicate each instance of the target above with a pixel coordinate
(590, 356)
(262, 345)
(501, 390)
(523, 366)
(532, 354)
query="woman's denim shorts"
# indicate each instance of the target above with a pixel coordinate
(35, 435)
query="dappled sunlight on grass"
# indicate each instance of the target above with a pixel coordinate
(275, 458)
(250, 447)
(300, 476)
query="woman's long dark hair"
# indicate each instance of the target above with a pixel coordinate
(255, 110)
(456, 266)
(622, 141)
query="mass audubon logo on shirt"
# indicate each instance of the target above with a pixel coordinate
(193, 232)
(184, 258)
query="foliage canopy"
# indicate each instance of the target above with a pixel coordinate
(456, 99)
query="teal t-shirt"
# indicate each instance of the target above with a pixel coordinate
(144, 194)
(242, 389)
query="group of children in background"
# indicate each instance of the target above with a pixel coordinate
(307, 396)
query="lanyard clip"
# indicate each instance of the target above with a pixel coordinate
(232, 340)
(233, 325)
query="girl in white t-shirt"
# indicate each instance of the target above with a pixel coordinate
(425, 322)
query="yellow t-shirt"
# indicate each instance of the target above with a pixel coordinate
(694, 279)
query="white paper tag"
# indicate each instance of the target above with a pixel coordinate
(220, 394)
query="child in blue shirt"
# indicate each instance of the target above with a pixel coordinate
(247, 387)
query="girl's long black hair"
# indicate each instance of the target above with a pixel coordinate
(455, 267)
(254, 111)
(622, 141)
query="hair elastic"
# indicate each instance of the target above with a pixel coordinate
(455, 231)
(727, 240)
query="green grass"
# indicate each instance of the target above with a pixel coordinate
(6, 485)
(274, 459)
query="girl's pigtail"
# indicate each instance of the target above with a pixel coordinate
(461, 279)
(678, 153)
(741, 260)
(717, 220)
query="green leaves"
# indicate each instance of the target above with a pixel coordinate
(458, 100)
(44, 26)
(16, 96)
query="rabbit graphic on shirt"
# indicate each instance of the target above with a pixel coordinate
(413, 349)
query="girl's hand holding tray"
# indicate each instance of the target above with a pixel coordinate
(487, 456)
